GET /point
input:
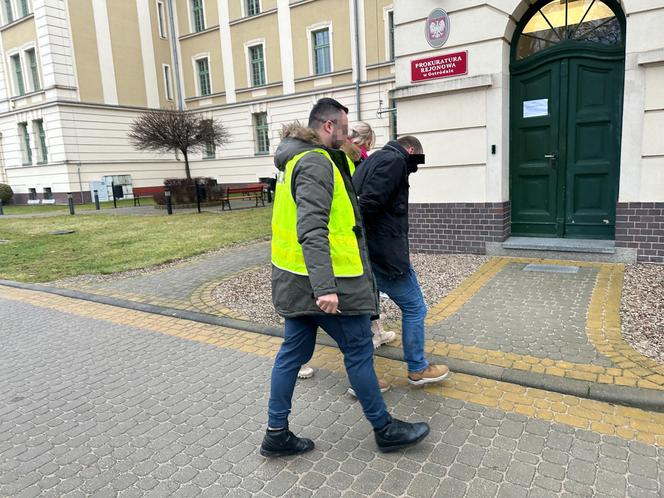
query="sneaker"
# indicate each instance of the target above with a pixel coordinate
(306, 372)
(397, 435)
(430, 375)
(284, 443)
(381, 336)
(384, 387)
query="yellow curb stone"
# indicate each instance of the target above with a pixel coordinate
(627, 423)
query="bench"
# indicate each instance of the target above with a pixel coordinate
(251, 191)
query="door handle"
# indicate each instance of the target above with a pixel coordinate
(552, 160)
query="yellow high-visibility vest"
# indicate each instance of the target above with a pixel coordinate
(344, 249)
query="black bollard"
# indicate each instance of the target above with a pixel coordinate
(198, 196)
(70, 200)
(167, 197)
(1, 210)
(96, 200)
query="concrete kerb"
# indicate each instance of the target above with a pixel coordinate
(647, 399)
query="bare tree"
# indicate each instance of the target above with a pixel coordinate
(172, 130)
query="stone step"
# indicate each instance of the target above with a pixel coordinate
(604, 251)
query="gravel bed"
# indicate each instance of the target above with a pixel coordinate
(438, 274)
(642, 309)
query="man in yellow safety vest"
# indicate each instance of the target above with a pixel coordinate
(321, 277)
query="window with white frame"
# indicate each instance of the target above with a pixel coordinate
(197, 15)
(390, 35)
(40, 137)
(48, 193)
(24, 7)
(253, 7)
(168, 83)
(262, 133)
(24, 138)
(203, 72)
(17, 68)
(32, 194)
(257, 65)
(31, 59)
(8, 11)
(210, 147)
(320, 51)
(161, 19)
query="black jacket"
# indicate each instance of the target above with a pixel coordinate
(381, 182)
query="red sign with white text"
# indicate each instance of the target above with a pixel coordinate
(440, 66)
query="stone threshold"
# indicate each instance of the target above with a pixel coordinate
(604, 251)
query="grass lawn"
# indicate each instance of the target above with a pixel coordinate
(44, 208)
(107, 243)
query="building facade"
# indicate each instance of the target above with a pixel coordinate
(75, 74)
(555, 128)
(539, 118)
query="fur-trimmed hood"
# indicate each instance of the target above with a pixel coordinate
(295, 138)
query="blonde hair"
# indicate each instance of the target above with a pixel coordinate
(363, 135)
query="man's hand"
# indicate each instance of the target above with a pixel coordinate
(328, 303)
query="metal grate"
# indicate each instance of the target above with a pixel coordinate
(551, 268)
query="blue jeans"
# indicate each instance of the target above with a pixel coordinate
(353, 335)
(407, 295)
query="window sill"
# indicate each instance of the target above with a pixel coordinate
(324, 75)
(196, 33)
(27, 95)
(380, 64)
(258, 154)
(262, 87)
(17, 21)
(249, 18)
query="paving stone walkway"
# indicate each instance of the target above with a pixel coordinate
(534, 313)
(96, 401)
(545, 322)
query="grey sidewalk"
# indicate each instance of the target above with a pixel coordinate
(92, 408)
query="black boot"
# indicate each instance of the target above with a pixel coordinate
(284, 443)
(398, 434)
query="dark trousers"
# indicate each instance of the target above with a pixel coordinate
(353, 335)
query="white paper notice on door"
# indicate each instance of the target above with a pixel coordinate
(535, 108)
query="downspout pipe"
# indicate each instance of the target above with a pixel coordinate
(176, 60)
(358, 73)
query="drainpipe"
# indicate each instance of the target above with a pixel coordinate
(357, 61)
(176, 60)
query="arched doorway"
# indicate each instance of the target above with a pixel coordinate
(566, 93)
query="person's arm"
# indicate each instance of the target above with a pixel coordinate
(379, 186)
(313, 189)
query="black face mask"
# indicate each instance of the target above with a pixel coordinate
(413, 161)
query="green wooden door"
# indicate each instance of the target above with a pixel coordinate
(593, 148)
(565, 147)
(535, 115)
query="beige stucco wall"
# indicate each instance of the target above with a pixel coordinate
(262, 28)
(127, 57)
(204, 43)
(162, 54)
(84, 39)
(235, 8)
(375, 21)
(459, 118)
(642, 161)
(19, 34)
(320, 13)
(485, 30)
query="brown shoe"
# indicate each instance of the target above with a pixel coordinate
(430, 375)
(384, 387)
